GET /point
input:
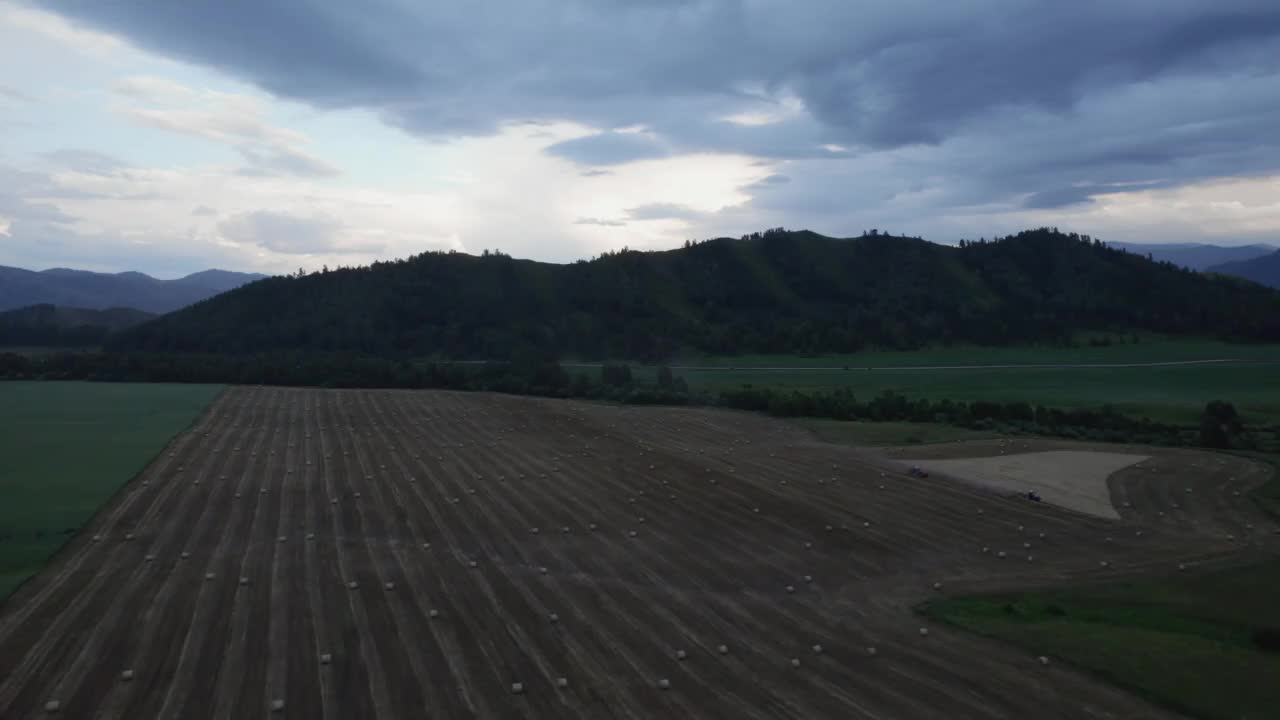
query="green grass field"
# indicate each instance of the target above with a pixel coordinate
(1175, 394)
(1150, 350)
(67, 447)
(1188, 642)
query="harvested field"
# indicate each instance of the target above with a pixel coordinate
(359, 554)
(1072, 479)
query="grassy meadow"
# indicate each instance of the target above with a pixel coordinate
(66, 447)
(1192, 642)
(1166, 393)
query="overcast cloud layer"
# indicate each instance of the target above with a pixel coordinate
(558, 128)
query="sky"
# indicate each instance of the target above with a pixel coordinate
(170, 137)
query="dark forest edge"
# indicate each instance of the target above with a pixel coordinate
(1220, 425)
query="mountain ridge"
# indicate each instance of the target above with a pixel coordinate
(777, 292)
(1264, 270)
(68, 287)
(1195, 256)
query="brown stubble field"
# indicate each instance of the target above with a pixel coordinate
(490, 542)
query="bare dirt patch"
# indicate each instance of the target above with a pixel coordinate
(1073, 479)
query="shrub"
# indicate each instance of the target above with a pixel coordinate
(1267, 639)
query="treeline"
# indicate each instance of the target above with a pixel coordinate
(777, 292)
(1220, 426)
(524, 376)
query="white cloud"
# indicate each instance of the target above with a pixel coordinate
(230, 119)
(151, 88)
(57, 28)
(1236, 209)
(284, 233)
(770, 114)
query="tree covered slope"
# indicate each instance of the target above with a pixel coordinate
(776, 292)
(52, 326)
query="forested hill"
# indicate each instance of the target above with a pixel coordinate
(50, 326)
(776, 292)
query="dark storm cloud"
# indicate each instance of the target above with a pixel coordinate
(999, 99)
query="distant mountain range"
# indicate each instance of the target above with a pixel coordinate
(1194, 256)
(50, 326)
(99, 291)
(1264, 270)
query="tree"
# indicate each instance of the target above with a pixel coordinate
(665, 379)
(1219, 425)
(615, 375)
